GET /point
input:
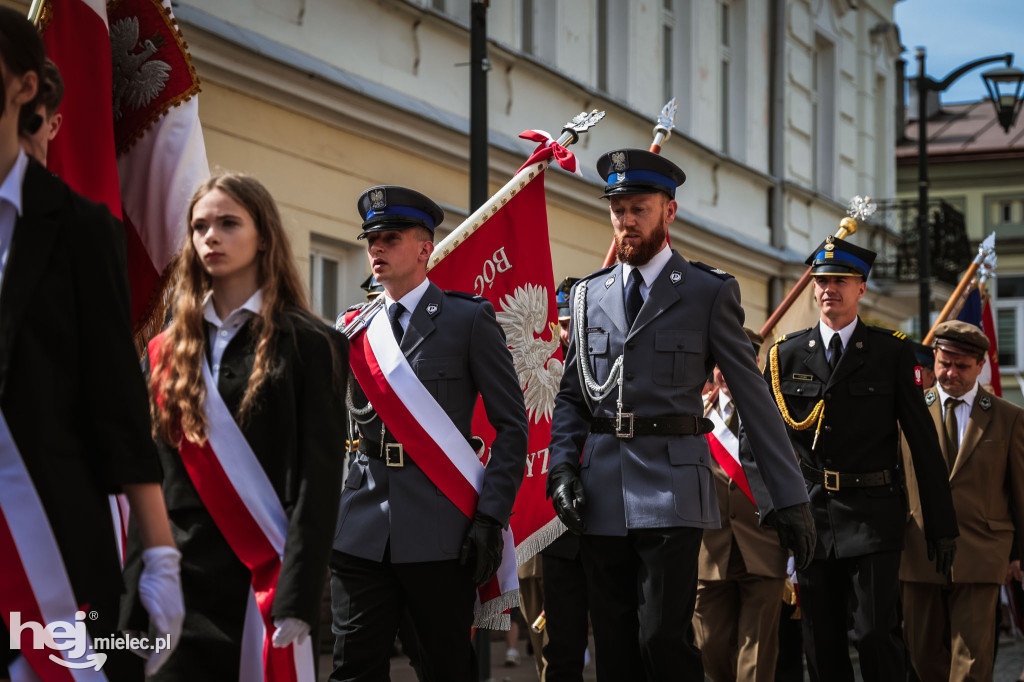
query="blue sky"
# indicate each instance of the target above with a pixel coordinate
(955, 32)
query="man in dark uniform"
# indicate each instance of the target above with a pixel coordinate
(845, 389)
(402, 543)
(631, 471)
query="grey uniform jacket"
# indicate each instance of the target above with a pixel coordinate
(458, 351)
(691, 320)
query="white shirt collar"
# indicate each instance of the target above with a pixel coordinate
(649, 270)
(844, 334)
(10, 190)
(253, 305)
(968, 397)
(411, 299)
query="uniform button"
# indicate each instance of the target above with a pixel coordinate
(828, 429)
(732, 516)
(732, 485)
(828, 396)
(871, 389)
(629, 377)
(216, 368)
(679, 346)
(701, 460)
(590, 349)
(799, 390)
(223, 332)
(440, 373)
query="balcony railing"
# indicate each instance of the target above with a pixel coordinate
(950, 249)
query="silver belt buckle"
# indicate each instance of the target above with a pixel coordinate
(394, 455)
(622, 431)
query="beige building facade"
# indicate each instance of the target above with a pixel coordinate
(784, 115)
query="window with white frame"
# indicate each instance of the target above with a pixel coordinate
(1010, 322)
(823, 115)
(612, 47)
(336, 270)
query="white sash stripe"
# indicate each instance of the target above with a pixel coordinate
(250, 667)
(242, 468)
(260, 499)
(37, 547)
(423, 407)
(730, 442)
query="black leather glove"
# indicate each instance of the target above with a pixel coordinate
(942, 551)
(566, 492)
(481, 549)
(797, 533)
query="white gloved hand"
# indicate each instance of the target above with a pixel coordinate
(288, 631)
(160, 593)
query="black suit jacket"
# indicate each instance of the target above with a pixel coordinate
(70, 385)
(297, 433)
(869, 397)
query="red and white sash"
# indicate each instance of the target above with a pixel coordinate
(33, 580)
(244, 505)
(725, 448)
(437, 446)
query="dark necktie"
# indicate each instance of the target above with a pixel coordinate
(634, 300)
(733, 422)
(952, 430)
(394, 313)
(835, 349)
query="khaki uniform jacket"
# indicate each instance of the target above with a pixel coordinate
(758, 546)
(987, 482)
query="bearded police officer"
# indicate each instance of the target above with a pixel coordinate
(631, 470)
(845, 389)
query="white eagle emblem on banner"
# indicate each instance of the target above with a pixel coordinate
(138, 79)
(524, 317)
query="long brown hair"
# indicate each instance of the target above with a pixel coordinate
(176, 383)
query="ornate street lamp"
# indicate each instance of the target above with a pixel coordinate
(1004, 86)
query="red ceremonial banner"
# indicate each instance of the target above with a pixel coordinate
(508, 261)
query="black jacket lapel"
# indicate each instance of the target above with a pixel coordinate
(34, 235)
(663, 293)
(421, 323)
(815, 359)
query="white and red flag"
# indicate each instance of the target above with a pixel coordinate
(131, 136)
(508, 261)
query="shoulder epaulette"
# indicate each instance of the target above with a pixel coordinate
(467, 296)
(357, 306)
(596, 273)
(889, 332)
(717, 272)
(792, 335)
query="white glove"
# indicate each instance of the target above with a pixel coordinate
(160, 593)
(288, 631)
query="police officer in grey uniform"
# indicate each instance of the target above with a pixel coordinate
(401, 543)
(631, 470)
(846, 390)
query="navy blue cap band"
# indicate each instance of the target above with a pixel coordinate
(644, 176)
(407, 211)
(846, 259)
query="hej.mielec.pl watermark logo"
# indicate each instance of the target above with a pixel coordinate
(73, 639)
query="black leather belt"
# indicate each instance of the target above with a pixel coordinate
(629, 426)
(392, 454)
(834, 480)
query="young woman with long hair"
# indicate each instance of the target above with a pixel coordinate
(248, 409)
(74, 425)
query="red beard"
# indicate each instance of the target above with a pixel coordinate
(643, 252)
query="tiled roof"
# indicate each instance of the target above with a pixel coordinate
(962, 132)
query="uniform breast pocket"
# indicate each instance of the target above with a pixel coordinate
(597, 350)
(678, 357)
(438, 375)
